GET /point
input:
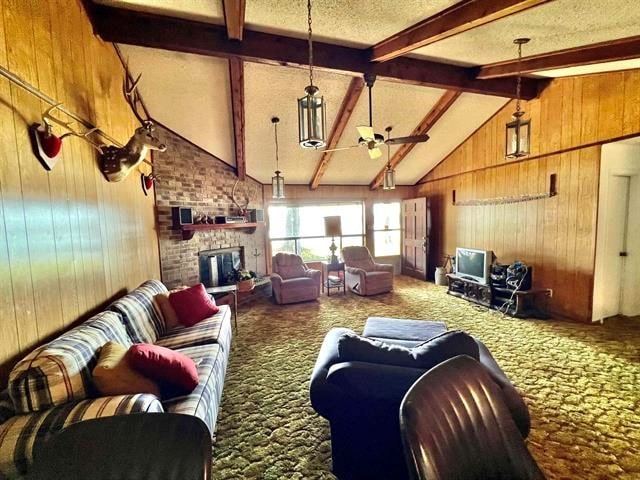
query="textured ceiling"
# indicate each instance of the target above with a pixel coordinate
(272, 91)
(394, 104)
(553, 26)
(190, 94)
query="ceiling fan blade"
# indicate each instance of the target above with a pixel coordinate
(341, 148)
(365, 132)
(374, 153)
(413, 139)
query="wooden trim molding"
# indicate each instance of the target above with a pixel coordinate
(236, 77)
(234, 18)
(609, 51)
(346, 109)
(119, 25)
(423, 127)
(456, 19)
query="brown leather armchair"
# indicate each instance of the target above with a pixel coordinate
(292, 281)
(455, 424)
(363, 275)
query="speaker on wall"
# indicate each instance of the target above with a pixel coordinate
(182, 215)
(256, 215)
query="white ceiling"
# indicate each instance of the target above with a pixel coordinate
(190, 93)
(552, 26)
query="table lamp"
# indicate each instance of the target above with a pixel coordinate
(333, 228)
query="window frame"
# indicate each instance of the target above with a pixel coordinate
(374, 229)
(296, 239)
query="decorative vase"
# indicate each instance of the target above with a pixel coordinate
(245, 285)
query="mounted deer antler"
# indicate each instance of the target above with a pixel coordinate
(117, 162)
(242, 209)
(49, 119)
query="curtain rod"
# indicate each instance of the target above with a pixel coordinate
(12, 77)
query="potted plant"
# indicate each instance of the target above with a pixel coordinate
(244, 280)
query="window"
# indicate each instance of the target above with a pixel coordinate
(386, 229)
(300, 228)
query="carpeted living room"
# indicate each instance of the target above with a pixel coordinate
(319, 239)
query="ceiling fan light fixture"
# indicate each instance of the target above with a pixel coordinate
(518, 131)
(277, 181)
(311, 107)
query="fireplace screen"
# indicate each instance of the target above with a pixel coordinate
(217, 266)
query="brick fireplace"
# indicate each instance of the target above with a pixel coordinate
(191, 177)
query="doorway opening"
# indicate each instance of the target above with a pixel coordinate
(617, 271)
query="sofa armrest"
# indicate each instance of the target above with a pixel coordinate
(20, 441)
(356, 271)
(384, 267)
(276, 278)
(315, 274)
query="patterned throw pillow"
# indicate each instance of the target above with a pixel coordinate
(114, 376)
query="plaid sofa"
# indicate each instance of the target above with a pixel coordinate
(51, 388)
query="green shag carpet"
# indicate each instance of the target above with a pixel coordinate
(581, 383)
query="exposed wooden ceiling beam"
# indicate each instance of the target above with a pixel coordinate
(156, 31)
(436, 112)
(346, 109)
(456, 19)
(236, 77)
(234, 18)
(610, 51)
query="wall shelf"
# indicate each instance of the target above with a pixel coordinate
(188, 231)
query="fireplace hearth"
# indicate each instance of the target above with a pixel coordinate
(217, 265)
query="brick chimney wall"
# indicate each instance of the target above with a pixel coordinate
(191, 177)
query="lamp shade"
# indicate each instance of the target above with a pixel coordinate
(332, 226)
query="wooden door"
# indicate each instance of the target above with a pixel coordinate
(414, 241)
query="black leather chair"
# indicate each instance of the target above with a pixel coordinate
(143, 446)
(455, 425)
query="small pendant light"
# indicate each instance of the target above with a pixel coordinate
(277, 181)
(389, 173)
(311, 107)
(518, 130)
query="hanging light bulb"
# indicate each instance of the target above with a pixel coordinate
(277, 181)
(389, 173)
(518, 130)
(311, 107)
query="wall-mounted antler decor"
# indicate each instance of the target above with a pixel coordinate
(242, 207)
(116, 160)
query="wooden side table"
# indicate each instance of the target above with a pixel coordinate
(226, 295)
(327, 278)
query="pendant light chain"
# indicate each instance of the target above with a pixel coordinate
(519, 80)
(275, 127)
(310, 43)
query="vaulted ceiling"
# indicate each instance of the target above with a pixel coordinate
(190, 93)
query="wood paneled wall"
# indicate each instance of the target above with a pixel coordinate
(570, 120)
(69, 241)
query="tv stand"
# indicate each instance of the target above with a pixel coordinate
(522, 304)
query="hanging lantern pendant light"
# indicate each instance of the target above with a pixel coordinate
(311, 107)
(518, 130)
(277, 181)
(389, 182)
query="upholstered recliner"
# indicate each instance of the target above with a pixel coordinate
(363, 275)
(292, 281)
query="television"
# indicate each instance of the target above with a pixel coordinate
(473, 264)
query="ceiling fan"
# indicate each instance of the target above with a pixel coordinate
(373, 140)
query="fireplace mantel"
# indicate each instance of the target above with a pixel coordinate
(188, 231)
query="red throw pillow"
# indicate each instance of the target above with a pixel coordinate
(193, 305)
(170, 369)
